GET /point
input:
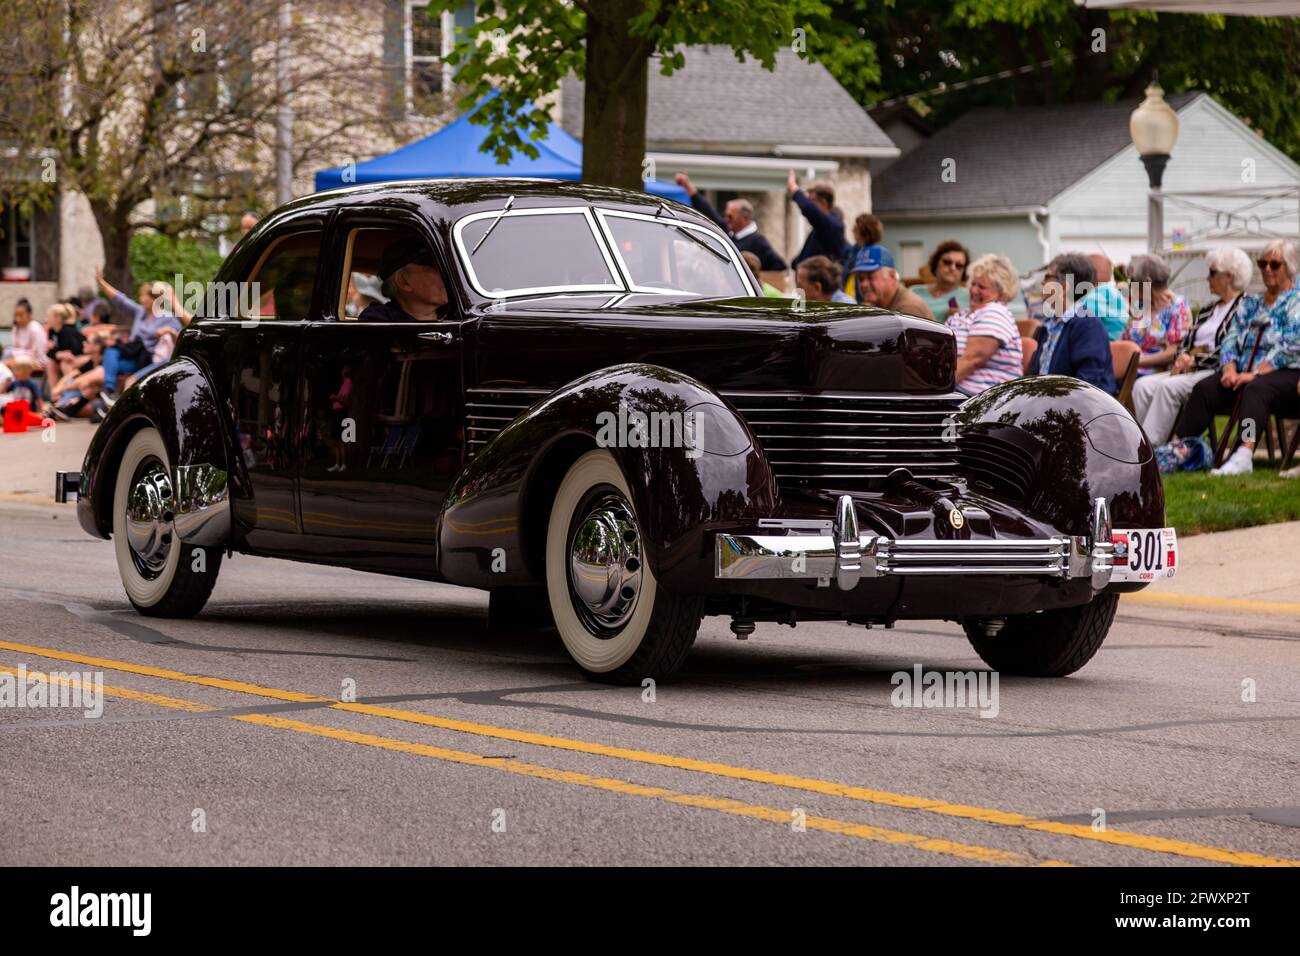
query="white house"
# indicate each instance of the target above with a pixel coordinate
(1030, 183)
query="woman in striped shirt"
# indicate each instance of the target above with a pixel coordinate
(988, 341)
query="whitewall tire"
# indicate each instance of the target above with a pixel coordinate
(162, 576)
(615, 620)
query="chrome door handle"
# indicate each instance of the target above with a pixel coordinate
(444, 338)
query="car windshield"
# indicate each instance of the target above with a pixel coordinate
(539, 251)
(664, 253)
(534, 251)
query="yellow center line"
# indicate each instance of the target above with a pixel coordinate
(1125, 838)
(1201, 602)
(739, 808)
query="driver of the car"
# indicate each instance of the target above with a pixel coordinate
(412, 284)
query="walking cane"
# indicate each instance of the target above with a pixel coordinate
(1241, 392)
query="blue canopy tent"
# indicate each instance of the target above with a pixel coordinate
(453, 152)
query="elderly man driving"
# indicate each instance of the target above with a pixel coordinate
(412, 284)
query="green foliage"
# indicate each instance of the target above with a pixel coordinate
(158, 258)
(524, 48)
(928, 47)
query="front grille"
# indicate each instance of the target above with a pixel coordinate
(999, 459)
(849, 440)
(488, 410)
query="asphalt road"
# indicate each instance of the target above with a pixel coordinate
(223, 739)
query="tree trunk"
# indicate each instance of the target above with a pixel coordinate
(614, 104)
(115, 231)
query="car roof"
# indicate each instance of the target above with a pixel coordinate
(462, 196)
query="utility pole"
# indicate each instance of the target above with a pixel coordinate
(283, 110)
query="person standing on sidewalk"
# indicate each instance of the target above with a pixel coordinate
(738, 220)
(817, 204)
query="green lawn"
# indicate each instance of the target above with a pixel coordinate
(1196, 502)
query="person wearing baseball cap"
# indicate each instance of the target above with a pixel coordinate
(411, 282)
(875, 282)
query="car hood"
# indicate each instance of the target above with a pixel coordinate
(750, 343)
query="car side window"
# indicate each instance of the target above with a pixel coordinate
(281, 282)
(371, 251)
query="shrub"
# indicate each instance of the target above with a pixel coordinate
(158, 258)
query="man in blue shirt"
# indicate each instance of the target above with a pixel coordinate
(1071, 341)
(1105, 300)
(818, 207)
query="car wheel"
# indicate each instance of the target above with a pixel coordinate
(616, 622)
(162, 576)
(1050, 643)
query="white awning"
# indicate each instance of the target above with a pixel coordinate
(739, 173)
(1243, 8)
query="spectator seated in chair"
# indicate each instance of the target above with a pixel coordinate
(1070, 341)
(819, 280)
(1158, 398)
(1163, 316)
(988, 341)
(1269, 381)
(149, 317)
(28, 340)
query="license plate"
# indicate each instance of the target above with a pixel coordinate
(1147, 554)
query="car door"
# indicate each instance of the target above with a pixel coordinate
(382, 411)
(251, 340)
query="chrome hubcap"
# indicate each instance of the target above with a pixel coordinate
(605, 563)
(149, 514)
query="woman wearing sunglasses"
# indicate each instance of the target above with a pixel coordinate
(948, 265)
(1158, 398)
(1269, 384)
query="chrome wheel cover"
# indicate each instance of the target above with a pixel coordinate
(605, 563)
(149, 515)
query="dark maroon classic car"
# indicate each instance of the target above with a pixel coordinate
(608, 428)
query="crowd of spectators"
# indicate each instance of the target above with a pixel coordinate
(91, 346)
(1238, 351)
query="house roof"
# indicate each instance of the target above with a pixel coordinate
(717, 104)
(1007, 158)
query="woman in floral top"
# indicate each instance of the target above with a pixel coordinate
(1165, 318)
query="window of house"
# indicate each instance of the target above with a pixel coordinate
(16, 241)
(428, 41)
(911, 256)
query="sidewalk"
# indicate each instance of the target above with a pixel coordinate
(28, 461)
(1251, 570)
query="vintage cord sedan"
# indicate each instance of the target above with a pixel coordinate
(607, 428)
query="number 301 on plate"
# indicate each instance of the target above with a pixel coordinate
(1146, 554)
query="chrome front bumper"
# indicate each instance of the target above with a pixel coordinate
(833, 550)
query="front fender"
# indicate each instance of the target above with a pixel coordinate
(493, 526)
(1084, 445)
(180, 401)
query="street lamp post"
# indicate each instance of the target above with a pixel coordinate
(1154, 129)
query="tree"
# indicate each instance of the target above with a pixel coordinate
(525, 48)
(162, 112)
(945, 57)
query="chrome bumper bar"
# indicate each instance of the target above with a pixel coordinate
(834, 550)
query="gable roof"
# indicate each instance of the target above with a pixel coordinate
(717, 104)
(1008, 158)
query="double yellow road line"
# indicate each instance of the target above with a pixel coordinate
(783, 816)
